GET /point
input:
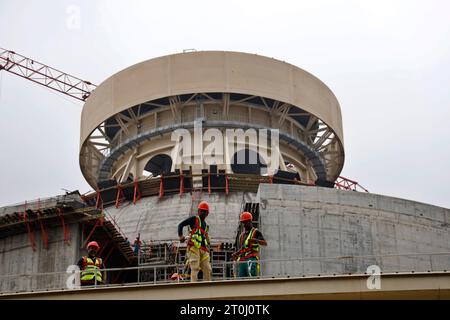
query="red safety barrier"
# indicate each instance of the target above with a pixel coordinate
(209, 183)
(226, 184)
(120, 196)
(97, 223)
(161, 186)
(99, 205)
(65, 228)
(99, 201)
(181, 183)
(101, 220)
(137, 192)
(43, 230)
(31, 235)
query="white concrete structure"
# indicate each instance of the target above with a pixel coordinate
(129, 118)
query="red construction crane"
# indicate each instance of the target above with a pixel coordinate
(344, 183)
(47, 76)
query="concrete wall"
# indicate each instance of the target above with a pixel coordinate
(312, 230)
(157, 219)
(312, 222)
(17, 257)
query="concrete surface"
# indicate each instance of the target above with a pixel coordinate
(18, 259)
(316, 223)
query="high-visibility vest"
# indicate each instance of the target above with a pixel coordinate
(197, 233)
(247, 250)
(91, 270)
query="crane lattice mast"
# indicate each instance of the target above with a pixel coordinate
(44, 75)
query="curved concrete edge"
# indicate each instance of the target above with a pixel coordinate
(433, 285)
(210, 71)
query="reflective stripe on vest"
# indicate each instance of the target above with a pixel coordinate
(246, 250)
(91, 270)
(197, 234)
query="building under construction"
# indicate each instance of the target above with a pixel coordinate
(321, 231)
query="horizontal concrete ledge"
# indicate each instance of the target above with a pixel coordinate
(433, 285)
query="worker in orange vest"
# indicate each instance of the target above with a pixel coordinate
(249, 241)
(91, 266)
(197, 250)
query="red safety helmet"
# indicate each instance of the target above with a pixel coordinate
(176, 276)
(203, 206)
(245, 216)
(93, 244)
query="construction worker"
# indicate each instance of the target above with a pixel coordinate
(137, 244)
(90, 266)
(197, 251)
(249, 241)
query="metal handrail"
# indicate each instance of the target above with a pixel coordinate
(262, 261)
(114, 223)
(233, 267)
(41, 202)
(192, 175)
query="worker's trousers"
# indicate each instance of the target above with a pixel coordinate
(248, 268)
(199, 260)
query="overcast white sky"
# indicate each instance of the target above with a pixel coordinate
(387, 61)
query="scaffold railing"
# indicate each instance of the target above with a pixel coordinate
(176, 184)
(155, 186)
(437, 262)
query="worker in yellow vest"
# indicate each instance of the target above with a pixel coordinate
(91, 265)
(197, 250)
(249, 241)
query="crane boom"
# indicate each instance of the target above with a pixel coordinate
(47, 76)
(344, 183)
